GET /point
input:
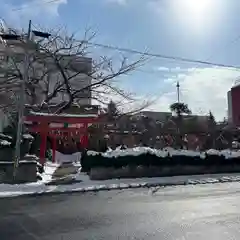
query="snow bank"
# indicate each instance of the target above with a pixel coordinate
(137, 151)
(5, 143)
(5, 136)
(7, 190)
(49, 169)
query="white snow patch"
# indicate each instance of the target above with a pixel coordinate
(5, 136)
(7, 190)
(5, 143)
(27, 136)
(63, 114)
(32, 156)
(164, 152)
(49, 169)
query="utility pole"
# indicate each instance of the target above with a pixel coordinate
(23, 82)
(178, 114)
(178, 95)
(22, 103)
(15, 37)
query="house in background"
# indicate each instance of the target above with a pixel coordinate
(233, 97)
(156, 116)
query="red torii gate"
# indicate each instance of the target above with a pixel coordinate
(49, 124)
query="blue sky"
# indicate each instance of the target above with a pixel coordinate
(207, 30)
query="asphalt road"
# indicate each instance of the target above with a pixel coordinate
(172, 213)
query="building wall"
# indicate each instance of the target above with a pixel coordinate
(235, 100)
(79, 64)
(157, 116)
(17, 51)
(229, 97)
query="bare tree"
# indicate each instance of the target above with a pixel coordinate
(56, 66)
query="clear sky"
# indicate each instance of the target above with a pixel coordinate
(207, 30)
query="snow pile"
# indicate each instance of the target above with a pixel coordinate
(32, 156)
(4, 136)
(137, 151)
(28, 136)
(5, 143)
(146, 157)
(7, 190)
(49, 169)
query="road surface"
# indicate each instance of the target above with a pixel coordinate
(174, 213)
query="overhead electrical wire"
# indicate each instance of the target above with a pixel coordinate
(34, 3)
(158, 55)
(133, 51)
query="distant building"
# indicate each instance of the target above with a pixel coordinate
(156, 116)
(16, 50)
(46, 64)
(234, 105)
(229, 98)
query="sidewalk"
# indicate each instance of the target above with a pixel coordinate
(81, 183)
(64, 170)
(64, 174)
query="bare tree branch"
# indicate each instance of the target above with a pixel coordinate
(59, 64)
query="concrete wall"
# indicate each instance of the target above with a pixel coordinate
(27, 172)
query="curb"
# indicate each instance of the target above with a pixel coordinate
(122, 186)
(93, 189)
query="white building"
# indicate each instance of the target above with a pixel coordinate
(82, 80)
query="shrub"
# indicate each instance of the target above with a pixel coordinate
(147, 157)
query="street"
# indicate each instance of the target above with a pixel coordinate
(197, 212)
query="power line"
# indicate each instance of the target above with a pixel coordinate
(158, 55)
(34, 3)
(137, 51)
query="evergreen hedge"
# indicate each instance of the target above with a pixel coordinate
(148, 159)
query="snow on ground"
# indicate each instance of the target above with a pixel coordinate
(49, 169)
(83, 183)
(7, 190)
(11, 190)
(175, 180)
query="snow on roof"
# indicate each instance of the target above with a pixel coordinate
(4, 143)
(20, 162)
(5, 136)
(31, 156)
(63, 115)
(28, 136)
